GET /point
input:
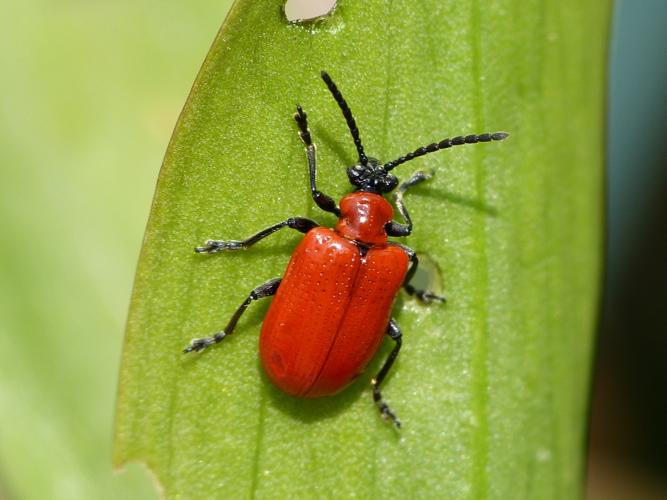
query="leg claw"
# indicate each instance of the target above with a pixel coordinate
(430, 297)
(215, 246)
(197, 345)
(388, 414)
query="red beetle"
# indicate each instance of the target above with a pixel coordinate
(333, 306)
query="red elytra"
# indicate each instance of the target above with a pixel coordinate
(333, 305)
(334, 300)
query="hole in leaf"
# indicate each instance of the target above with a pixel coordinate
(428, 275)
(308, 10)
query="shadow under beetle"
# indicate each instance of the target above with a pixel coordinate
(332, 307)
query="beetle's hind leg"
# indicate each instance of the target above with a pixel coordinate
(395, 333)
(424, 296)
(264, 290)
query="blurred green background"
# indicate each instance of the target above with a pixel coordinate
(90, 92)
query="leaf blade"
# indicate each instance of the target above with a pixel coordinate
(487, 219)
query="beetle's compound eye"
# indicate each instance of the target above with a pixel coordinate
(384, 182)
(357, 174)
(391, 181)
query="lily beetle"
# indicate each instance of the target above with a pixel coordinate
(332, 307)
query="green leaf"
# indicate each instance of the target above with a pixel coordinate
(492, 387)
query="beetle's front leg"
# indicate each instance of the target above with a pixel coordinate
(425, 296)
(301, 224)
(394, 228)
(325, 202)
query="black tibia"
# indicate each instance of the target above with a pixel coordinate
(264, 290)
(394, 228)
(423, 295)
(395, 333)
(301, 224)
(322, 200)
(347, 113)
(444, 144)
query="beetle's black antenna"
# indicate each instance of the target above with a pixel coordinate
(444, 144)
(352, 125)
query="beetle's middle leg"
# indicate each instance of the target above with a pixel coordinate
(264, 290)
(395, 333)
(425, 296)
(301, 224)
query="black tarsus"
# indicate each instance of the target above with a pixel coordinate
(264, 290)
(395, 333)
(347, 113)
(325, 202)
(444, 144)
(301, 224)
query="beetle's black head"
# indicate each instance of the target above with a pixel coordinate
(371, 177)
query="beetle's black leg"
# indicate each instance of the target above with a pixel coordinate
(394, 228)
(264, 290)
(301, 224)
(323, 201)
(423, 295)
(395, 333)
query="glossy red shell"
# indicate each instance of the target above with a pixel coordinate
(331, 310)
(363, 217)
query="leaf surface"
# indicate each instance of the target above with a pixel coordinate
(492, 387)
